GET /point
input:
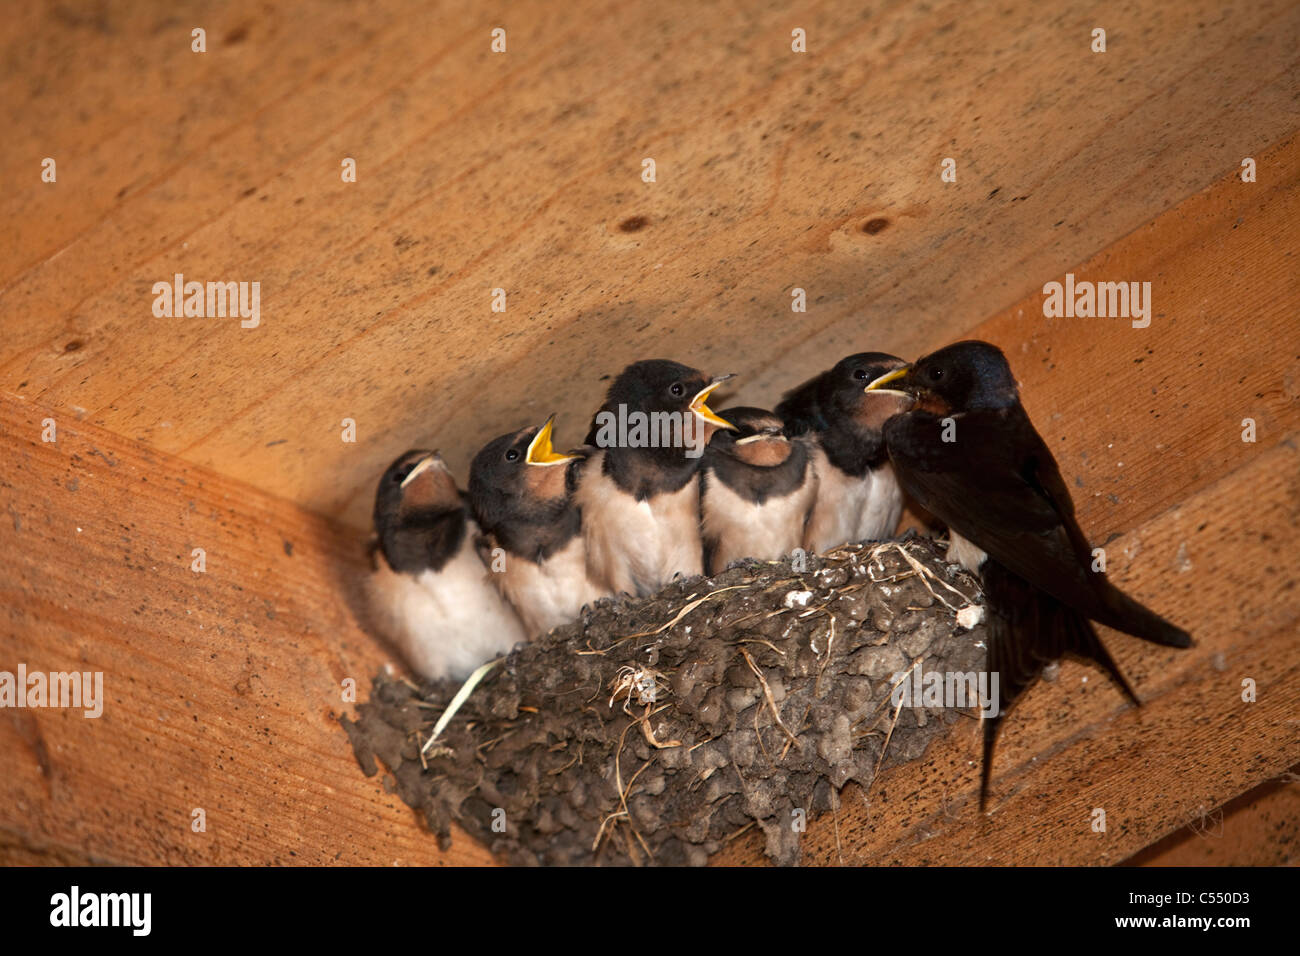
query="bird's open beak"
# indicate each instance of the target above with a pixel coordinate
(892, 376)
(540, 449)
(428, 461)
(706, 413)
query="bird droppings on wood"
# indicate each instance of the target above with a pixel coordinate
(656, 730)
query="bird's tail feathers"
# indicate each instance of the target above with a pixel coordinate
(1029, 629)
(1127, 615)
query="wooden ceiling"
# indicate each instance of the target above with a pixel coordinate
(522, 171)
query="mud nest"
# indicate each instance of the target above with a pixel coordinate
(656, 730)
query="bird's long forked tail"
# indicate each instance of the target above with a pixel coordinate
(1029, 629)
(1127, 615)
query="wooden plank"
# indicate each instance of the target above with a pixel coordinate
(518, 171)
(1125, 409)
(221, 689)
(1259, 828)
(1215, 563)
(72, 605)
(1143, 417)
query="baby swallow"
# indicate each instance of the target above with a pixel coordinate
(521, 492)
(640, 492)
(858, 498)
(428, 590)
(967, 452)
(757, 489)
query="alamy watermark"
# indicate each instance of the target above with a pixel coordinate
(84, 689)
(215, 300)
(75, 908)
(1101, 300)
(947, 689)
(630, 428)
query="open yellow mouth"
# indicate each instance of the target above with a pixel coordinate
(706, 413)
(895, 375)
(540, 449)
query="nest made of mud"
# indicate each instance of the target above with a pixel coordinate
(656, 730)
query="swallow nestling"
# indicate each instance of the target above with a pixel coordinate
(757, 489)
(639, 492)
(521, 493)
(858, 498)
(967, 452)
(429, 592)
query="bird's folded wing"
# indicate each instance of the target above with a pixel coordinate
(997, 486)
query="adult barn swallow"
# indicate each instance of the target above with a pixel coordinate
(858, 498)
(639, 492)
(968, 453)
(428, 590)
(521, 492)
(757, 489)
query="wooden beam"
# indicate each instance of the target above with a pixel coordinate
(119, 595)
(521, 171)
(222, 688)
(1259, 828)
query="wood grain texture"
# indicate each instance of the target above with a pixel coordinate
(222, 688)
(1259, 828)
(519, 171)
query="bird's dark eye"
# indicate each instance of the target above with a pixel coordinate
(512, 454)
(860, 374)
(676, 389)
(936, 374)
